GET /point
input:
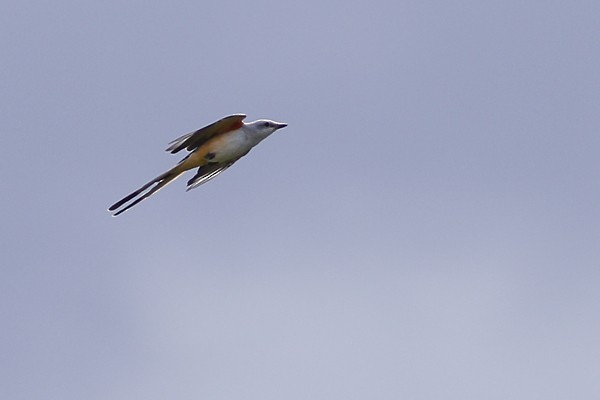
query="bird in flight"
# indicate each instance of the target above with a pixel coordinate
(212, 150)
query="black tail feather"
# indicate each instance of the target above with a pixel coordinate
(159, 182)
(131, 196)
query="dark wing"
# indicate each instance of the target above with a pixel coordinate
(207, 172)
(193, 140)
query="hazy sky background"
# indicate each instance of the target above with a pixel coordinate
(426, 227)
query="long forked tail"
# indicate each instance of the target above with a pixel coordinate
(146, 191)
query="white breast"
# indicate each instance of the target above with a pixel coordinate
(234, 145)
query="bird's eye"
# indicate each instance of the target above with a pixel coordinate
(267, 124)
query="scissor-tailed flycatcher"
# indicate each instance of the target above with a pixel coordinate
(213, 149)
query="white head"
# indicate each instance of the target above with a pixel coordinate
(264, 127)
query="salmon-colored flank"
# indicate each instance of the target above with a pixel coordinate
(235, 125)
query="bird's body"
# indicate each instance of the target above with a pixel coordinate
(227, 146)
(213, 149)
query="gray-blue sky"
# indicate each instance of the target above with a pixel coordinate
(426, 227)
